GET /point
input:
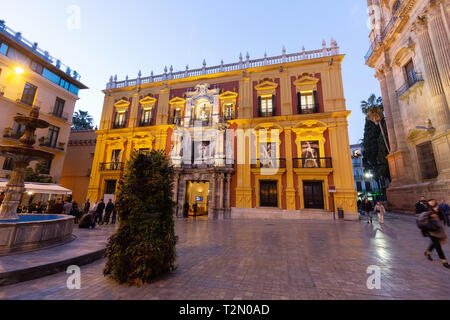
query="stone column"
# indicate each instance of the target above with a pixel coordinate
(441, 45)
(432, 75)
(213, 197)
(221, 190)
(387, 110)
(228, 201)
(176, 178)
(290, 190)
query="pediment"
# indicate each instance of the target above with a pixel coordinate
(311, 126)
(177, 100)
(420, 133)
(268, 127)
(306, 80)
(147, 101)
(122, 103)
(266, 85)
(228, 95)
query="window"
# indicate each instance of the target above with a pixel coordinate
(110, 186)
(59, 107)
(115, 156)
(368, 185)
(8, 164)
(36, 67)
(410, 73)
(19, 57)
(427, 163)
(46, 166)
(307, 102)
(4, 49)
(47, 74)
(177, 117)
(358, 186)
(146, 117)
(18, 130)
(53, 133)
(228, 111)
(29, 93)
(266, 106)
(119, 121)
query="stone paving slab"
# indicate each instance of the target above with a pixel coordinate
(87, 246)
(259, 260)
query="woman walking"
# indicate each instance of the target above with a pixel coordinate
(381, 211)
(435, 231)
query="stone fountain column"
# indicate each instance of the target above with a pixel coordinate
(14, 191)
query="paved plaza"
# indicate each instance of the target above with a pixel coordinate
(272, 259)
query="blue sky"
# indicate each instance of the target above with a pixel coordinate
(123, 37)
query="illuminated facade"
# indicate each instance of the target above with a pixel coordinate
(410, 52)
(264, 137)
(30, 77)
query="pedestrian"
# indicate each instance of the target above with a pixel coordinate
(445, 210)
(75, 211)
(381, 211)
(431, 223)
(108, 210)
(67, 208)
(195, 208)
(87, 221)
(99, 212)
(87, 206)
(113, 220)
(367, 208)
(186, 210)
(421, 206)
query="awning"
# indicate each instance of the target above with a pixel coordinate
(40, 188)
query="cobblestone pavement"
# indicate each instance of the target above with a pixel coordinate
(262, 259)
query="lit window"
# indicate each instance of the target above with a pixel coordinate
(266, 106)
(146, 117)
(228, 111)
(120, 120)
(307, 102)
(29, 93)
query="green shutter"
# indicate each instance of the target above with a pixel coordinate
(299, 102)
(316, 102)
(274, 105)
(259, 107)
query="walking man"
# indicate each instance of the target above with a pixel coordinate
(99, 212)
(109, 209)
(421, 206)
(87, 206)
(445, 210)
(367, 208)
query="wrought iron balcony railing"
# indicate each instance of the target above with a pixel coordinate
(308, 109)
(312, 163)
(61, 115)
(147, 123)
(119, 125)
(268, 163)
(412, 79)
(112, 166)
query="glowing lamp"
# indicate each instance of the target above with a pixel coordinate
(19, 70)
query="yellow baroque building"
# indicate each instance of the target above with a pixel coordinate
(256, 138)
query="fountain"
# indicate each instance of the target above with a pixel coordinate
(27, 232)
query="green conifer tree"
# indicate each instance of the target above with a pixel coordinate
(143, 247)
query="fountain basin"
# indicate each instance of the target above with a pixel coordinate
(32, 232)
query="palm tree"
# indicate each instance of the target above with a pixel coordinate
(373, 109)
(82, 120)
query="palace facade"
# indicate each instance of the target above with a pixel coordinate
(410, 52)
(264, 137)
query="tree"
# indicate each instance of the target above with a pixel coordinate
(143, 247)
(373, 109)
(82, 120)
(375, 144)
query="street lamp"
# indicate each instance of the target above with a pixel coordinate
(19, 70)
(368, 175)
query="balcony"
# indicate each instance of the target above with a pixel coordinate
(119, 125)
(308, 109)
(313, 163)
(144, 123)
(412, 79)
(268, 164)
(44, 142)
(112, 166)
(60, 115)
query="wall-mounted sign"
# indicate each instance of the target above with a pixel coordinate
(332, 189)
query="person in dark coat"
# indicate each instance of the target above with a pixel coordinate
(87, 221)
(75, 212)
(87, 206)
(113, 220)
(108, 210)
(438, 236)
(421, 206)
(195, 208)
(186, 210)
(58, 207)
(367, 208)
(99, 212)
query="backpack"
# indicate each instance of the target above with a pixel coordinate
(426, 223)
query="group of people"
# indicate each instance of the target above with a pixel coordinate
(369, 209)
(100, 214)
(432, 219)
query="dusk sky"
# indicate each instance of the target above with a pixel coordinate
(123, 37)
